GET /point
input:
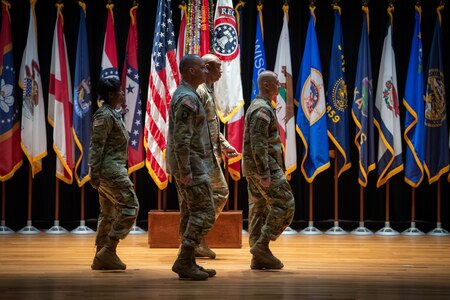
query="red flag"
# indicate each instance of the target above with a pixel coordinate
(164, 79)
(109, 58)
(10, 154)
(60, 104)
(204, 29)
(133, 112)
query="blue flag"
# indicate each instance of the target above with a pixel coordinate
(259, 60)
(362, 107)
(337, 100)
(311, 118)
(436, 145)
(82, 106)
(414, 117)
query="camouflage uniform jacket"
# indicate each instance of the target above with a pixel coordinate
(218, 140)
(262, 151)
(108, 151)
(189, 148)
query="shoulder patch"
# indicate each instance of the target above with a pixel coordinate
(263, 116)
(188, 103)
(97, 122)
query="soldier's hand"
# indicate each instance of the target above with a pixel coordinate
(95, 183)
(230, 152)
(186, 179)
(265, 182)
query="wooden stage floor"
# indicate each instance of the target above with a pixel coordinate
(320, 267)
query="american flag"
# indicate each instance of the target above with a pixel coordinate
(163, 81)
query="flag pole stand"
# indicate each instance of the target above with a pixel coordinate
(387, 229)
(82, 229)
(287, 230)
(361, 230)
(336, 229)
(136, 229)
(438, 231)
(56, 229)
(3, 228)
(413, 231)
(29, 228)
(311, 229)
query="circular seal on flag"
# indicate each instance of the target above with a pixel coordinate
(226, 45)
(435, 99)
(313, 97)
(339, 95)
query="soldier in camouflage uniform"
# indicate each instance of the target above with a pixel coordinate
(189, 160)
(108, 158)
(219, 143)
(271, 202)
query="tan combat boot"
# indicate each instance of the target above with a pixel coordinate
(263, 257)
(184, 265)
(96, 264)
(203, 250)
(107, 259)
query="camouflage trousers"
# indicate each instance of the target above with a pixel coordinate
(219, 188)
(196, 211)
(119, 208)
(271, 209)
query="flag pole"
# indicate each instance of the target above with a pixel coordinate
(82, 229)
(438, 231)
(413, 230)
(387, 229)
(361, 230)
(56, 229)
(159, 199)
(3, 228)
(29, 229)
(311, 229)
(336, 229)
(135, 229)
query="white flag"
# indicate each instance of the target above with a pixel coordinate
(285, 99)
(34, 136)
(387, 115)
(228, 89)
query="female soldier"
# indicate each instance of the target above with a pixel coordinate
(108, 158)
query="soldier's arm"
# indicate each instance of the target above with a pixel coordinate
(185, 112)
(101, 127)
(259, 131)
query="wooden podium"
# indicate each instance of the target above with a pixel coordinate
(163, 230)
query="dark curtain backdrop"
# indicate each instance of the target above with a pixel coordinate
(43, 211)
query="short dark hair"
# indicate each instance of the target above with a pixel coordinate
(188, 61)
(107, 85)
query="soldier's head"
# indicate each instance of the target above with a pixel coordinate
(268, 84)
(109, 90)
(193, 70)
(214, 66)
